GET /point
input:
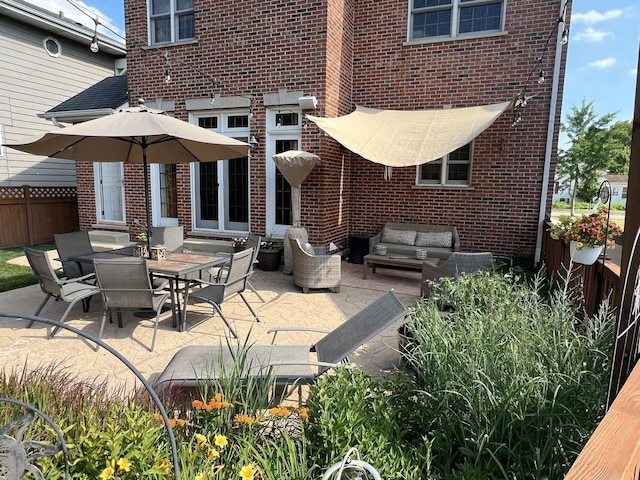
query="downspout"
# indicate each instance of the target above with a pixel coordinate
(550, 128)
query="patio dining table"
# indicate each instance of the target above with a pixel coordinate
(176, 267)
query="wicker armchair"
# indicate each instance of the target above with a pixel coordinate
(315, 271)
(456, 264)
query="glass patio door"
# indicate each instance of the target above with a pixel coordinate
(220, 194)
(283, 133)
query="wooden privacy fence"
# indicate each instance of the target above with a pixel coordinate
(31, 215)
(599, 281)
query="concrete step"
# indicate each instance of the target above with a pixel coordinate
(102, 240)
(200, 245)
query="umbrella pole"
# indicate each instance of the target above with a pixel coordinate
(146, 196)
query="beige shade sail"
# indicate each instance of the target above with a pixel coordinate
(399, 138)
(295, 166)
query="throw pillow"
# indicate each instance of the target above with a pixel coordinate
(434, 239)
(399, 237)
(308, 248)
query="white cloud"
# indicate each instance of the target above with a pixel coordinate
(589, 34)
(592, 16)
(602, 64)
(634, 72)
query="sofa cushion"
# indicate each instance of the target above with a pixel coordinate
(434, 239)
(400, 237)
(308, 248)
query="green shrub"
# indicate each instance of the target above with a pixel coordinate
(619, 206)
(514, 381)
(101, 427)
(379, 418)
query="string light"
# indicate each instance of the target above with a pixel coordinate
(521, 99)
(94, 41)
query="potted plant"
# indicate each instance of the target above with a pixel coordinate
(586, 234)
(270, 255)
(141, 249)
(239, 244)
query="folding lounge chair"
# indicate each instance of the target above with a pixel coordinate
(74, 244)
(197, 365)
(71, 290)
(126, 285)
(218, 274)
(235, 283)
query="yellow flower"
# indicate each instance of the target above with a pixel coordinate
(304, 413)
(579, 244)
(213, 453)
(124, 464)
(107, 473)
(201, 439)
(221, 441)
(164, 466)
(199, 476)
(247, 472)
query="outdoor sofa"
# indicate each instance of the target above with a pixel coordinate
(440, 241)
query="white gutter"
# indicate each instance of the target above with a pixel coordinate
(550, 129)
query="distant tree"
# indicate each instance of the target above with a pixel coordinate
(589, 154)
(621, 138)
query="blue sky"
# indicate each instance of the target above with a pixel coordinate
(602, 55)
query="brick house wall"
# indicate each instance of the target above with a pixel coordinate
(349, 53)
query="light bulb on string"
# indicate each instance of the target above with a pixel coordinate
(541, 78)
(565, 37)
(94, 45)
(167, 76)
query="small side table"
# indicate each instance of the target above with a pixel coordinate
(359, 247)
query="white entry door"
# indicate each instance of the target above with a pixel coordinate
(109, 188)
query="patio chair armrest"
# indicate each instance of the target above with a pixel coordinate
(161, 286)
(276, 330)
(82, 279)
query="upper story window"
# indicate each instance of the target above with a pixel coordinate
(453, 18)
(452, 169)
(171, 21)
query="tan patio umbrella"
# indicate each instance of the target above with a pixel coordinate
(295, 166)
(135, 135)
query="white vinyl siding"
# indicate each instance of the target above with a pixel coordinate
(33, 82)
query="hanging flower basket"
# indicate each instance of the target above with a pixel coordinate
(587, 255)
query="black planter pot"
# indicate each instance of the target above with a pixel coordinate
(269, 260)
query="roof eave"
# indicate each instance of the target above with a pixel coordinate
(77, 116)
(62, 26)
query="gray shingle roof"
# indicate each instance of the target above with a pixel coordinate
(108, 93)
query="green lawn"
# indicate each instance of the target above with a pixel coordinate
(16, 276)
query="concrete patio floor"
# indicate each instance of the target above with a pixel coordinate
(285, 305)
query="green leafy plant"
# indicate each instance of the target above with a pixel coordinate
(513, 379)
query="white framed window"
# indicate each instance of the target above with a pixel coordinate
(52, 46)
(437, 19)
(452, 169)
(220, 193)
(171, 21)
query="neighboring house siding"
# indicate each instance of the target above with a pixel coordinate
(32, 83)
(349, 53)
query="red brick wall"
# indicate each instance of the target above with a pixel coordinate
(349, 53)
